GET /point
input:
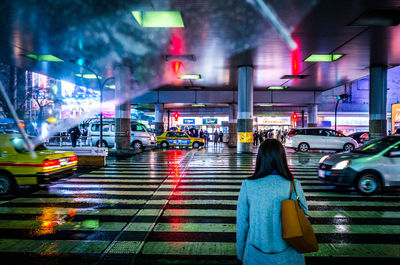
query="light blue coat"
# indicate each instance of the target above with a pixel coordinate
(258, 222)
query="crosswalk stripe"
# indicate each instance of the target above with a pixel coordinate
(202, 208)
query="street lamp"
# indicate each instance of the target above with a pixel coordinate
(339, 98)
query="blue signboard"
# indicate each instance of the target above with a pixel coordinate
(188, 121)
(207, 121)
(326, 124)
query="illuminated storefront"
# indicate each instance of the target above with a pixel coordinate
(273, 122)
(395, 117)
(345, 124)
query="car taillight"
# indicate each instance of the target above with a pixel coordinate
(291, 134)
(72, 159)
(51, 163)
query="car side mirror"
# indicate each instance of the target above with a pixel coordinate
(394, 154)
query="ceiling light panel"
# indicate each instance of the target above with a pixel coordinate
(44, 57)
(190, 76)
(87, 76)
(159, 19)
(276, 87)
(323, 57)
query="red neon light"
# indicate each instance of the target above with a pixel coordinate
(295, 61)
(177, 43)
(176, 66)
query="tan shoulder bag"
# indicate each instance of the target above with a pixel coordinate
(296, 228)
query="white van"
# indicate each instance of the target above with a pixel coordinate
(304, 139)
(141, 137)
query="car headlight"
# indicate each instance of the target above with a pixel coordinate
(341, 165)
(323, 159)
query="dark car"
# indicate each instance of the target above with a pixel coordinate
(369, 168)
(360, 137)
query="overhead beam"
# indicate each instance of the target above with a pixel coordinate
(227, 97)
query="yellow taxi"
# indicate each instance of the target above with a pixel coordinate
(176, 138)
(17, 167)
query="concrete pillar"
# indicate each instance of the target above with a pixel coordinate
(123, 81)
(377, 101)
(232, 140)
(245, 109)
(312, 115)
(159, 118)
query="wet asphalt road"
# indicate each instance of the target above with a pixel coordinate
(178, 207)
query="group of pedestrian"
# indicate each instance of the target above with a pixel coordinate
(260, 136)
(217, 137)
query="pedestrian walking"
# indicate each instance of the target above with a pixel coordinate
(74, 133)
(261, 136)
(216, 136)
(84, 134)
(206, 137)
(278, 135)
(221, 137)
(255, 138)
(201, 133)
(258, 222)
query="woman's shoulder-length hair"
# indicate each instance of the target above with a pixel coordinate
(271, 157)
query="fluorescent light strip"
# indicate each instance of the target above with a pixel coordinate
(44, 57)
(323, 57)
(198, 105)
(190, 76)
(87, 76)
(158, 19)
(277, 87)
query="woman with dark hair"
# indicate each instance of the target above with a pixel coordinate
(258, 222)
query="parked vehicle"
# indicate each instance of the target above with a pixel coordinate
(304, 139)
(17, 167)
(368, 168)
(360, 137)
(140, 135)
(8, 125)
(173, 138)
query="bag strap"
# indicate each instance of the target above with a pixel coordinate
(293, 185)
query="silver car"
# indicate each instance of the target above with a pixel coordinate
(368, 168)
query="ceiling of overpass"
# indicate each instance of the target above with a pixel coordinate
(220, 34)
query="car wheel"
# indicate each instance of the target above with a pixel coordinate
(196, 145)
(164, 144)
(348, 147)
(7, 185)
(304, 147)
(137, 145)
(104, 144)
(369, 183)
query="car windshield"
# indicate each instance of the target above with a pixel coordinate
(377, 145)
(20, 145)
